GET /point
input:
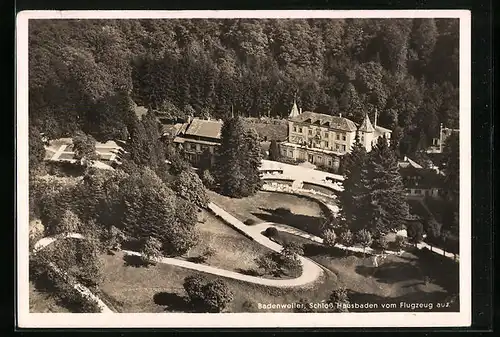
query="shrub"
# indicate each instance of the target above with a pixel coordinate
(293, 266)
(364, 238)
(207, 179)
(271, 232)
(250, 222)
(283, 211)
(292, 249)
(193, 285)
(268, 263)
(211, 296)
(381, 243)
(434, 229)
(339, 299)
(151, 251)
(400, 242)
(217, 295)
(415, 232)
(329, 238)
(346, 238)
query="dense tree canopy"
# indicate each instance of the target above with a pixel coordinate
(85, 73)
(237, 160)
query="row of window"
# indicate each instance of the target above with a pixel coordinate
(319, 132)
(195, 147)
(312, 158)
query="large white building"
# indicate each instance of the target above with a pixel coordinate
(322, 139)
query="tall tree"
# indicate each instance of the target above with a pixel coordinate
(84, 148)
(388, 207)
(353, 198)
(36, 148)
(237, 160)
(274, 150)
(451, 152)
(190, 187)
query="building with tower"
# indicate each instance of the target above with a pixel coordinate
(323, 139)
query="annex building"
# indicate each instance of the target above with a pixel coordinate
(197, 136)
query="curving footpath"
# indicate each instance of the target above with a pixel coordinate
(311, 271)
(84, 291)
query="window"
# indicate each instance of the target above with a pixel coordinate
(329, 162)
(343, 136)
(337, 136)
(294, 129)
(310, 132)
(300, 129)
(337, 146)
(343, 148)
(327, 145)
(198, 147)
(418, 191)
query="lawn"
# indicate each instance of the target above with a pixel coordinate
(159, 288)
(44, 302)
(398, 278)
(232, 250)
(306, 214)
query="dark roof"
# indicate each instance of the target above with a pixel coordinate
(421, 178)
(333, 122)
(204, 128)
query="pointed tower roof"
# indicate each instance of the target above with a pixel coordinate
(295, 111)
(366, 126)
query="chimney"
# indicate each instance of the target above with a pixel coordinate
(300, 110)
(340, 115)
(376, 115)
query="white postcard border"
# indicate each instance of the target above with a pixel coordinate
(127, 320)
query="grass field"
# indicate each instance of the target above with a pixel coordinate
(398, 278)
(159, 289)
(232, 250)
(305, 214)
(44, 302)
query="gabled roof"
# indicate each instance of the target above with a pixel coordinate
(366, 126)
(204, 128)
(407, 162)
(333, 122)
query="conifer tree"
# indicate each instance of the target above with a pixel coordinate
(387, 208)
(274, 150)
(355, 190)
(237, 160)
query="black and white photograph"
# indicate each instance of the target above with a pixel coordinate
(243, 168)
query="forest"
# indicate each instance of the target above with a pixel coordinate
(85, 74)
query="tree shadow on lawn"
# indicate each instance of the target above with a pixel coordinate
(450, 302)
(173, 302)
(133, 261)
(250, 272)
(439, 270)
(392, 272)
(307, 223)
